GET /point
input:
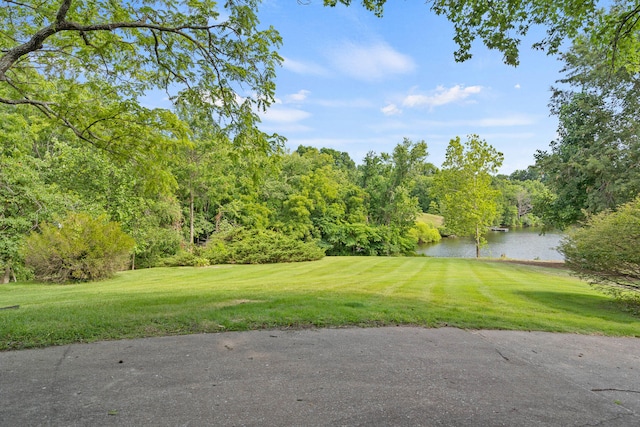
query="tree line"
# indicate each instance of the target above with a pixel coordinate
(216, 193)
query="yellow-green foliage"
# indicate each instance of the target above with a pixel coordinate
(425, 233)
(605, 252)
(80, 248)
(185, 259)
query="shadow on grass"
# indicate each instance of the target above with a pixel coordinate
(41, 325)
(577, 303)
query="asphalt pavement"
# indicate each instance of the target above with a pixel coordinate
(392, 376)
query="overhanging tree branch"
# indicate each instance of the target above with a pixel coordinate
(36, 42)
(116, 54)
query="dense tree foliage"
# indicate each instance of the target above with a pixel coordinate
(368, 210)
(389, 181)
(26, 202)
(26, 198)
(302, 204)
(605, 251)
(593, 165)
(518, 200)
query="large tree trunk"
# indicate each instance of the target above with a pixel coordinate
(7, 275)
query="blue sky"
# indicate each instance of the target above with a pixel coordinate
(357, 83)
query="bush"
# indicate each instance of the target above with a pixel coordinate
(154, 244)
(368, 240)
(185, 259)
(425, 233)
(80, 248)
(606, 251)
(350, 239)
(241, 246)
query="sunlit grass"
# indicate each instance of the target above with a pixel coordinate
(435, 220)
(333, 292)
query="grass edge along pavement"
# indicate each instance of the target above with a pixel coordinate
(332, 292)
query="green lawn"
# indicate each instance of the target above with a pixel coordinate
(336, 291)
(435, 220)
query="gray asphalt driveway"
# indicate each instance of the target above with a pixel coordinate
(393, 376)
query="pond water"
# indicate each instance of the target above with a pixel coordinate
(517, 243)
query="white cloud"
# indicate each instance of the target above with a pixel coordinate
(517, 86)
(284, 115)
(297, 97)
(285, 129)
(370, 63)
(345, 103)
(391, 110)
(441, 96)
(307, 68)
(512, 120)
(506, 121)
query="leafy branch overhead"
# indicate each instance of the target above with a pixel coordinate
(86, 64)
(502, 25)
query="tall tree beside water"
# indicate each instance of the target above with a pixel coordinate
(468, 201)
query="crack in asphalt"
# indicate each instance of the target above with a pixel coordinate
(615, 389)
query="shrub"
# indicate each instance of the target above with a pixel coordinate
(154, 244)
(241, 246)
(392, 241)
(350, 239)
(606, 250)
(80, 248)
(368, 240)
(425, 233)
(217, 251)
(185, 259)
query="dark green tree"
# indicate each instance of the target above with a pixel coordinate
(26, 201)
(389, 180)
(592, 166)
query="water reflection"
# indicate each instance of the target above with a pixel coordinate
(524, 243)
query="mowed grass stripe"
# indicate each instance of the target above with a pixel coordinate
(334, 292)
